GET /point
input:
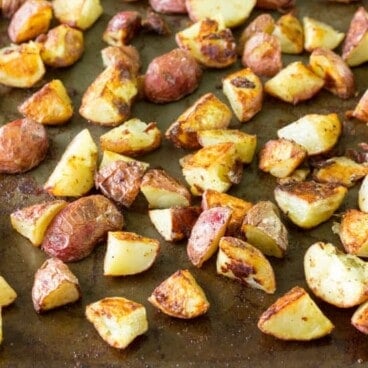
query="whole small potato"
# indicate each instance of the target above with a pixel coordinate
(171, 76)
(169, 6)
(80, 226)
(23, 145)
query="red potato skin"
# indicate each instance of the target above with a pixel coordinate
(23, 145)
(9, 7)
(80, 226)
(169, 6)
(171, 76)
(275, 4)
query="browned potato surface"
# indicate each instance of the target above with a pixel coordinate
(169, 6)
(80, 226)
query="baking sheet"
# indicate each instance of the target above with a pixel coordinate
(227, 335)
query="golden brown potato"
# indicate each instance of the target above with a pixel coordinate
(360, 318)
(169, 6)
(360, 111)
(171, 76)
(275, 4)
(9, 7)
(30, 20)
(23, 146)
(62, 46)
(123, 57)
(54, 286)
(51, 105)
(180, 296)
(297, 175)
(81, 225)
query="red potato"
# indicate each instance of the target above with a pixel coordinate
(171, 76)
(9, 7)
(80, 226)
(275, 4)
(23, 145)
(155, 23)
(169, 6)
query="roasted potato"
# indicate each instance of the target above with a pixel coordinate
(209, 42)
(21, 66)
(163, 191)
(117, 320)
(171, 76)
(297, 175)
(169, 7)
(275, 4)
(308, 204)
(208, 112)
(337, 278)
(7, 293)
(243, 262)
(80, 226)
(363, 195)
(175, 223)
(23, 146)
(294, 83)
(73, 175)
(295, 316)
(54, 286)
(32, 221)
(9, 7)
(51, 105)
(180, 296)
(244, 90)
(360, 111)
(108, 157)
(30, 20)
(62, 46)
(206, 233)
(123, 57)
(360, 318)
(315, 132)
(155, 23)
(128, 253)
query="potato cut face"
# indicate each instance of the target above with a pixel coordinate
(7, 293)
(360, 318)
(295, 316)
(180, 296)
(363, 195)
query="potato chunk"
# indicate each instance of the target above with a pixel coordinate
(363, 195)
(118, 320)
(360, 318)
(337, 278)
(54, 286)
(124, 57)
(108, 157)
(180, 296)
(7, 294)
(295, 316)
(360, 111)
(243, 262)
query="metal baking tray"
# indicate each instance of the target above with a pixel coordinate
(227, 336)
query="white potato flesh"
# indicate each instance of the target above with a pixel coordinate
(7, 293)
(363, 195)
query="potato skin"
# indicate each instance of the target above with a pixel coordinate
(80, 226)
(275, 4)
(23, 145)
(169, 6)
(171, 76)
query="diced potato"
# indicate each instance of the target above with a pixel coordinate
(294, 83)
(337, 278)
(245, 143)
(129, 253)
(109, 157)
(73, 175)
(51, 105)
(281, 157)
(363, 195)
(54, 286)
(239, 207)
(126, 57)
(289, 31)
(360, 318)
(316, 133)
(208, 112)
(341, 170)
(243, 262)
(244, 90)
(180, 296)
(133, 138)
(295, 316)
(7, 294)
(206, 233)
(176, 223)
(213, 167)
(30, 20)
(297, 175)
(308, 204)
(209, 42)
(107, 101)
(360, 111)
(21, 66)
(118, 320)
(32, 221)
(77, 13)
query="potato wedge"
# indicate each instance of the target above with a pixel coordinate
(360, 111)
(32, 221)
(73, 175)
(180, 296)
(7, 293)
(308, 204)
(295, 316)
(244, 90)
(51, 105)
(337, 278)
(54, 286)
(360, 318)
(363, 195)
(243, 262)
(315, 132)
(108, 157)
(206, 233)
(118, 320)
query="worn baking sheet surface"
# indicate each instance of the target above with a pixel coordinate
(227, 335)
